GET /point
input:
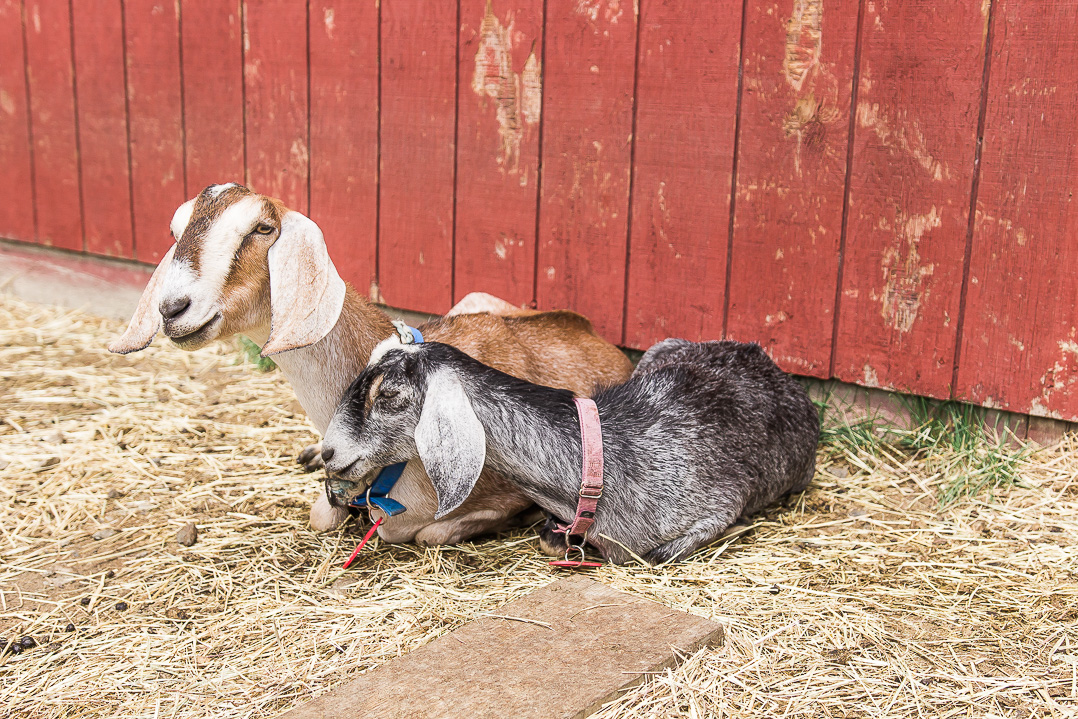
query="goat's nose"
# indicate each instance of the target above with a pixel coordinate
(174, 307)
(327, 453)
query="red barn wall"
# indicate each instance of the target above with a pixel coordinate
(876, 192)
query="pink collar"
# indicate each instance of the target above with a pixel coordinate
(591, 481)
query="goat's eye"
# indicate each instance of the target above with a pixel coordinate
(264, 229)
(388, 394)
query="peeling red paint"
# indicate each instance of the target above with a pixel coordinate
(903, 275)
(517, 97)
(804, 41)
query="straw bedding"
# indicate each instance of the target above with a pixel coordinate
(860, 598)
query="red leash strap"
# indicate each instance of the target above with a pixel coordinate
(366, 538)
(591, 483)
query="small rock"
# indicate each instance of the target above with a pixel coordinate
(4, 463)
(59, 575)
(187, 535)
(113, 494)
(69, 628)
(104, 533)
(64, 542)
(28, 642)
(857, 513)
(47, 463)
(774, 589)
(15, 648)
(840, 472)
(85, 601)
(110, 574)
(121, 606)
(56, 437)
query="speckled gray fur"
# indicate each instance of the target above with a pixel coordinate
(701, 434)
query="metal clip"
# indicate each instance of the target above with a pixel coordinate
(584, 492)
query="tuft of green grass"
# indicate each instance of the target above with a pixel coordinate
(251, 352)
(951, 438)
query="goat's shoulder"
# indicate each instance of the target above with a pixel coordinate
(558, 348)
(486, 338)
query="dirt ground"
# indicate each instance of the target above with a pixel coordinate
(861, 598)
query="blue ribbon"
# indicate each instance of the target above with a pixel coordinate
(387, 478)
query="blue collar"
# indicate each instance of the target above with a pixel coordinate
(387, 478)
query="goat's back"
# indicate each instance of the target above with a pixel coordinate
(557, 349)
(735, 418)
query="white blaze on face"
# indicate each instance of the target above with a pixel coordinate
(216, 252)
(223, 238)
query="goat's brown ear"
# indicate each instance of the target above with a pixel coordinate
(451, 441)
(147, 318)
(306, 293)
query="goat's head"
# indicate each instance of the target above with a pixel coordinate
(409, 402)
(241, 261)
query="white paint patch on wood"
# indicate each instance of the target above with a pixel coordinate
(804, 41)
(517, 97)
(903, 274)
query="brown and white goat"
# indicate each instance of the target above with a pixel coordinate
(244, 263)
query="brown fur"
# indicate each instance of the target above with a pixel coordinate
(557, 349)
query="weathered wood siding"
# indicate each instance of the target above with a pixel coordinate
(877, 192)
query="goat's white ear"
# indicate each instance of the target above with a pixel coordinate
(306, 293)
(451, 441)
(147, 318)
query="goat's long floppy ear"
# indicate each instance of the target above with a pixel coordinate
(451, 441)
(306, 293)
(147, 318)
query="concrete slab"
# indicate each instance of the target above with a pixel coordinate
(559, 653)
(104, 287)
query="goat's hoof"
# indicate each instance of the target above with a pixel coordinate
(551, 543)
(311, 458)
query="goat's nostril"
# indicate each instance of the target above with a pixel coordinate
(174, 307)
(327, 454)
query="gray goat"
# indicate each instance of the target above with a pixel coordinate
(700, 434)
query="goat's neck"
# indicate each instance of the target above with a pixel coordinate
(319, 374)
(533, 438)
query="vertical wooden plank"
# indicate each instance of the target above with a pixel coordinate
(1019, 346)
(419, 86)
(155, 116)
(500, 99)
(587, 128)
(102, 113)
(344, 133)
(16, 180)
(52, 114)
(795, 119)
(916, 124)
(212, 92)
(275, 82)
(686, 111)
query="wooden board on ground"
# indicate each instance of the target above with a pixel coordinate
(561, 651)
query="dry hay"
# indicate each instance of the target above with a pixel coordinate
(861, 598)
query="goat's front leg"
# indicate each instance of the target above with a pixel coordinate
(325, 516)
(457, 529)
